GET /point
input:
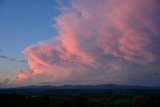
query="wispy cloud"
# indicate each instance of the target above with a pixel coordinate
(2, 56)
(11, 59)
(1, 50)
(100, 41)
(23, 61)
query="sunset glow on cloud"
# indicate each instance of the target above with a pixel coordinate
(99, 41)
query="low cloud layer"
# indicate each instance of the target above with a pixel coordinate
(4, 83)
(99, 41)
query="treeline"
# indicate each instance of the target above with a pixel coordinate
(81, 98)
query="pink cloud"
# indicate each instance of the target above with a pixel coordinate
(22, 75)
(91, 35)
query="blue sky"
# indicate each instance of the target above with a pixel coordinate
(22, 23)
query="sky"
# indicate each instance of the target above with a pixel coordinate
(58, 42)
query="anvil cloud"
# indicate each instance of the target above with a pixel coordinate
(99, 41)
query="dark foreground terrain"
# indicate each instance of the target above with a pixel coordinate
(50, 97)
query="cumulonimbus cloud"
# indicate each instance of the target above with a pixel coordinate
(99, 41)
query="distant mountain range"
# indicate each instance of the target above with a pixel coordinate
(104, 86)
